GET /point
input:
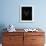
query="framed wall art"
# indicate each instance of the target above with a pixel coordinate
(26, 13)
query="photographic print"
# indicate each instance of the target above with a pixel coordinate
(26, 13)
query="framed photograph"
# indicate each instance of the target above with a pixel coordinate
(26, 13)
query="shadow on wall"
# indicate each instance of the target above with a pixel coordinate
(2, 26)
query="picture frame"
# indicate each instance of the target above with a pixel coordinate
(26, 13)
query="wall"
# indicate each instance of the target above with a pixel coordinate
(10, 12)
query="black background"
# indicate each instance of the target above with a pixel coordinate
(29, 16)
